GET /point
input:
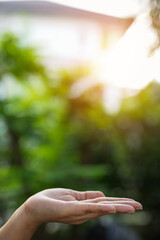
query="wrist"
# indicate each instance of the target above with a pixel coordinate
(20, 226)
(31, 213)
(28, 219)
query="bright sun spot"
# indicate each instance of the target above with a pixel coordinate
(127, 65)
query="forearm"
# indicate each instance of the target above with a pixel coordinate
(18, 227)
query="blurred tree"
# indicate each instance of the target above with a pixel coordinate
(18, 64)
(155, 18)
(39, 126)
(138, 127)
(53, 138)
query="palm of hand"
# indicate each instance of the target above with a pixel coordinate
(73, 207)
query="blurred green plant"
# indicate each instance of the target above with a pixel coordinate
(40, 127)
(51, 137)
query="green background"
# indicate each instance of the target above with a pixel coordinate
(49, 139)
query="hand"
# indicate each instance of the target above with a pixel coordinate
(73, 207)
(62, 205)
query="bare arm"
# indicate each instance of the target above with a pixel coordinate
(18, 227)
(65, 206)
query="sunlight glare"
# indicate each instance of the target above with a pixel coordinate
(127, 65)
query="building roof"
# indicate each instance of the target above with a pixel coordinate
(54, 9)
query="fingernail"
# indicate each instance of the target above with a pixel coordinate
(139, 207)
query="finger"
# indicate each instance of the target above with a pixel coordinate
(136, 205)
(88, 216)
(123, 208)
(117, 199)
(68, 221)
(77, 208)
(99, 199)
(83, 218)
(88, 195)
(106, 208)
(84, 208)
(80, 217)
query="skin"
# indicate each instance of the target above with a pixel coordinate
(64, 206)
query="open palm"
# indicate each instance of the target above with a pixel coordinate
(74, 207)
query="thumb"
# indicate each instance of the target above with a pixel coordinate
(88, 195)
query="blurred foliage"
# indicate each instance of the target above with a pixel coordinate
(50, 138)
(155, 20)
